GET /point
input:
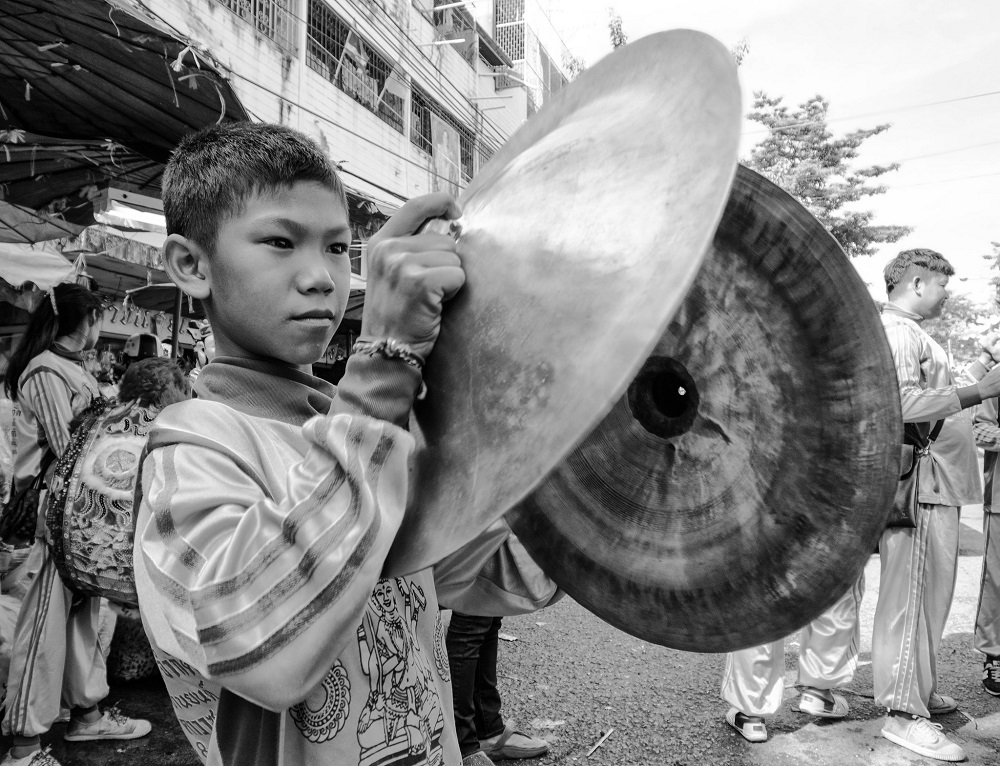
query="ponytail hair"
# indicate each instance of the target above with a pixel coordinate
(74, 304)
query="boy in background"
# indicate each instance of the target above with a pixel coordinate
(269, 503)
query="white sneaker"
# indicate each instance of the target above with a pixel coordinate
(37, 758)
(111, 725)
(922, 737)
(750, 727)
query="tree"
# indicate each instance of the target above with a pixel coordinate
(740, 51)
(802, 156)
(995, 265)
(964, 323)
(572, 64)
(618, 36)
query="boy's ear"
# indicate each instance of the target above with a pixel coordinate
(188, 266)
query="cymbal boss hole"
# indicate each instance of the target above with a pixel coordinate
(663, 397)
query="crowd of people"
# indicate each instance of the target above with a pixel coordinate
(265, 503)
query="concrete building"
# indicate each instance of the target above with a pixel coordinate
(407, 97)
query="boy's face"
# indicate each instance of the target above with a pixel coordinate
(934, 293)
(281, 276)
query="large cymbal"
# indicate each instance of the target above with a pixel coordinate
(579, 240)
(732, 514)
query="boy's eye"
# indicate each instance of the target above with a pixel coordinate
(279, 242)
(339, 248)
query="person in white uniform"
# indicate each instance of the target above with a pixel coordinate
(753, 682)
(918, 565)
(987, 633)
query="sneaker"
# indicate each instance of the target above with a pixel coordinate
(815, 702)
(511, 745)
(37, 758)
(751, 727)
(922, 737)
(478, 758)
(991, 676)
(939, 704)
(111, 725)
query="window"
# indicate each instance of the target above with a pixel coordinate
(421, 108)
(508, 25)
(341, 56)
(274, 19)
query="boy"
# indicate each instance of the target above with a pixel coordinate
(269, 502)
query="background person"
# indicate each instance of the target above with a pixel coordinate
(57, 643)
(753, 682)
(987, 631)
(919, 565)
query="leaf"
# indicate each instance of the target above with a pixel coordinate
(12, 136)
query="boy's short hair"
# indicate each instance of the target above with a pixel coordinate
(213, 173)
(931, 260)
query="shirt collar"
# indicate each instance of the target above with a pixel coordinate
(265, 389)
(892, 308)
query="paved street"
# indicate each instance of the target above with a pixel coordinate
(570, 677)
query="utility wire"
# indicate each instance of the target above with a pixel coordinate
(811, 123)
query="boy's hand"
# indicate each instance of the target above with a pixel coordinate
(411, 275)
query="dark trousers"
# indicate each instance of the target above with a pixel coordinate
(472, 654)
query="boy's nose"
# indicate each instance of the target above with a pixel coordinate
(315, 276)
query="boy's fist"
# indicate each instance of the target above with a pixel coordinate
(410, 275)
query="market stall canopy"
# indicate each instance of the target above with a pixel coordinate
(64, 176)
(22, 266)
(92, 69)
(22, 225)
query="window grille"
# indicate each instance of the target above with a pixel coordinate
(508, 26)
(421, 108)
(340, 55)
(274, 19)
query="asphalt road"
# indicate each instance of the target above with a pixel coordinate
(569, 677)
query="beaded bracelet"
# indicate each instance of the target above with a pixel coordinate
(389, 348)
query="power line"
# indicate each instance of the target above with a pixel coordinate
(811, 123)
(492, 130)
(944, 180)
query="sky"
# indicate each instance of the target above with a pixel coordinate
(930, 68)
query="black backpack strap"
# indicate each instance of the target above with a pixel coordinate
(937, 430)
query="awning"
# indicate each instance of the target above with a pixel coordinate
(25, 226)
(22, 266)
(90, 69)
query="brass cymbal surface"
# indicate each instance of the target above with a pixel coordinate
(579, 240)
(738, 487)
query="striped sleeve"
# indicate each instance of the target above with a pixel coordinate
(919, 404)
(50, 398)
(985, 427)
(266, 593)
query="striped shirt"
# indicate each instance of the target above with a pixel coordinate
(928, 388)
(52, 390)
(268, 507)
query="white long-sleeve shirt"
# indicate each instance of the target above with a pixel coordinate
(928, 392)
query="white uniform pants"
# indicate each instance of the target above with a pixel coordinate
(918, 580)
(754, 679)
(57, 654)
(988, 612)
